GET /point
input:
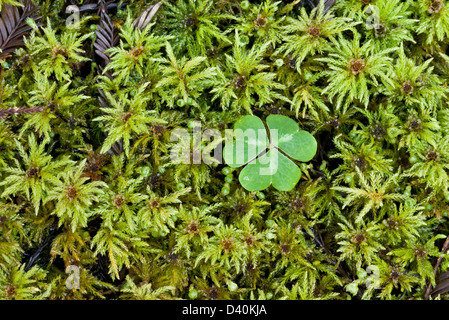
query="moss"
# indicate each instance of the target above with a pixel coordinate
(90, 118)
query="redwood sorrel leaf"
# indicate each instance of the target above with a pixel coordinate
(264, 156)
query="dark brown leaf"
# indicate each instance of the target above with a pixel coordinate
(442, 284)
(327, 4)
(93, 6)
(145, 17)
(443, 276)
(441, 288)
(107, 37)
(19, 110)
(13, 26)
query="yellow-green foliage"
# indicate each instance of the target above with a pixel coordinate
(86, 120)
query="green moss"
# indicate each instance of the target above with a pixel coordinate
(90, 118)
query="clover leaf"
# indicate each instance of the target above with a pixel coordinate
(268, 155)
